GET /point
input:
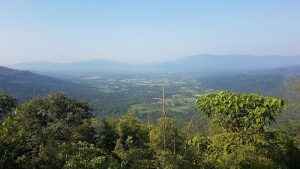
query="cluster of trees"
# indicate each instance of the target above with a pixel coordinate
(59, 132)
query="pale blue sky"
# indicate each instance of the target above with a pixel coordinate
(145, 30)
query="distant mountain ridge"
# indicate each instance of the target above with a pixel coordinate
(205, 63)
(229, 63)
(92, 65)
(25, 85)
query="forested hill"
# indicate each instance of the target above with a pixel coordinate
(24, 85)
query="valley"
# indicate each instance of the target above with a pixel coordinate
(119, 92)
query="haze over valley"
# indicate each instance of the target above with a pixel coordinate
(204, 63)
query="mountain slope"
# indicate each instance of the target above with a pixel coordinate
(267, 84)
(286, 71)
(24, 85)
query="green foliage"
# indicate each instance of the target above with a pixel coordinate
(40, 125)
(84, 155)
(131, 145)
(165, 136)
(7, 104)
(237, 112)
(131, 132)
(245, 141)
(105, 135)
(60, 132)
(167, 141)
(233, 150)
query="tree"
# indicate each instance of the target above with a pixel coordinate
(105, 136)
(7, 104)
(131, 145)
(165, 136)
(168, 144)
(41, 125)
(131, 132)
(84, 155)
(244, 141)
(240, 112)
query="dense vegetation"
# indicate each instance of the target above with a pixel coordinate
(60, 132)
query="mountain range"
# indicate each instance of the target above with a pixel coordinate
(205, 63)
(25, 85)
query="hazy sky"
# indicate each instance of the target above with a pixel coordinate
(145, 30)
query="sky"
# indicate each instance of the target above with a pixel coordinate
(143, 31)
